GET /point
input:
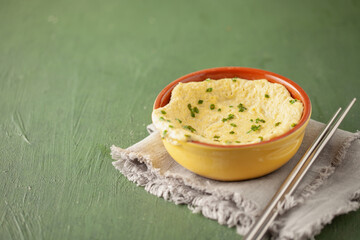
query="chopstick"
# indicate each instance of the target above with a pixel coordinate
(270, 212)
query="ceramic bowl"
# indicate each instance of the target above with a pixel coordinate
(238, 162)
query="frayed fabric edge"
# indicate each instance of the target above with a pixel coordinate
(229, 209)
(324, 173)
(214, 205)
(353, 204)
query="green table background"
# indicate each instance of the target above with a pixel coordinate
(79, 76)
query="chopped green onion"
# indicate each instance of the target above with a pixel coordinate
(234, 79)
(267, 95)
(254, 128)
(171, 126)
(241, 107)
(233, 124)
(161, 118)
(186, 135)
(200, 101)
(196, 109)
(232, 132)
(231, 106)
(191, 110)
(219, 110)
(208, 79)
(237, 141)
(178, 120)
(168, 120)
(163, 112)
(212, 106)
(259, 120)
(216, 136)
(261, 139)
(215, 140)
(227, 142)
(251, 120)
(277, 124)
(292, 101)
(230, 116)
(164, 133)
(209, 90)
(190, 128)
(293, 125)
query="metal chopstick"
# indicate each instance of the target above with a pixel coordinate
(289, 185)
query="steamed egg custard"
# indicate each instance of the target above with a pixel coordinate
(227, 111)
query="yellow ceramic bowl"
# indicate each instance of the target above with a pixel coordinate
(234, 162)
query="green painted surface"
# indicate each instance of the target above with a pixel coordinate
(78, 76)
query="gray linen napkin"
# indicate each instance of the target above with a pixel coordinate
(330, 188)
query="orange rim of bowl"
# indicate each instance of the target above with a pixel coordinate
(248, 74)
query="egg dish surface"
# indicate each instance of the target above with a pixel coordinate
(227, 111)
